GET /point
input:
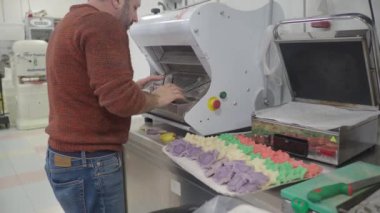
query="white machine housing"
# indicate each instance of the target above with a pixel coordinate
(39, 28)
(29, 78)
(220, 47)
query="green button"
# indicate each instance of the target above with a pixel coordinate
(223, 95)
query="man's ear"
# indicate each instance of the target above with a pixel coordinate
(116, 3)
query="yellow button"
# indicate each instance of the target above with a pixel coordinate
(167, 137)
(213, 103)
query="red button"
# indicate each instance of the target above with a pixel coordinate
(216, 104)
(321, 24)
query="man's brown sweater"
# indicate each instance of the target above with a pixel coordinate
(91, 92)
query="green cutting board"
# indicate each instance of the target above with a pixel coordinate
(350, 173)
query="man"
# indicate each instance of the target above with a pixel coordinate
(92, 97)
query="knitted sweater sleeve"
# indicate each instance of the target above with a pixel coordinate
(105, 44)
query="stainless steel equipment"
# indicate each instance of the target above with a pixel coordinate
(153, 181)
(337, 73)
(150, 174)
(29, 78)
(212, 52)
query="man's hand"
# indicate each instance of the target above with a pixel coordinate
(142, 82)
(167, 94)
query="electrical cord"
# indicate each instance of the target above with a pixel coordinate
(371, 9)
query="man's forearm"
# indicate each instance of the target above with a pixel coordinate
(151, 102)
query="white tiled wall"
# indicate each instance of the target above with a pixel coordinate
(11, 11)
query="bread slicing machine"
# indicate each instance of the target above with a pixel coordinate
(334, 82)
(211, 51)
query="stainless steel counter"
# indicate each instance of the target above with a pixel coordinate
(154, 182)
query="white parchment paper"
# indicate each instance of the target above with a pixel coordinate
(317, 116)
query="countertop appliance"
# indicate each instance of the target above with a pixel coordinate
(29, 77)
(334, 81)
(39, 28)
(213, 53)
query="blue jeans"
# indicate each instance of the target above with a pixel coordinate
(87, 182)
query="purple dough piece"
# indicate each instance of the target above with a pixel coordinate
(206, 159)
(248, 188)
(240, 166)
(177, 147)
(249, 175)
(223, 174)
(189, 146)
(169, 147)
(212, 169)
(237, 181)
(241, 178)
(246, 182)
(193, 152)
(257, 178)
